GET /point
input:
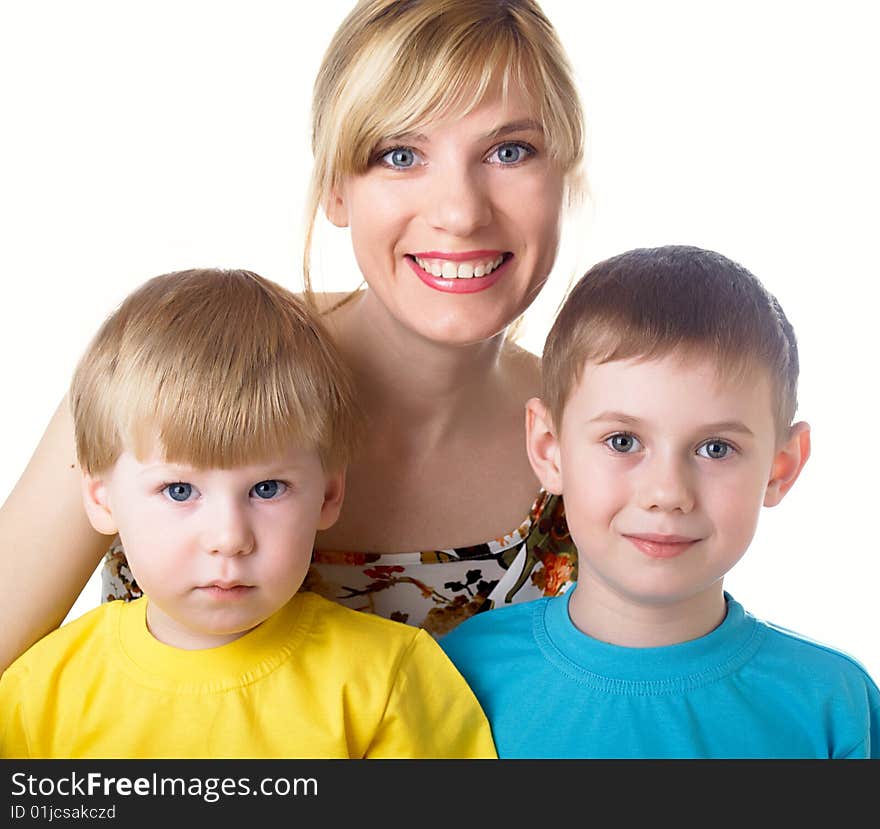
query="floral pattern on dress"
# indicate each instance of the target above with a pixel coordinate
(432, 589)
(117, 580)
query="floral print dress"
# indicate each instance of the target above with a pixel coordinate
(432, 589)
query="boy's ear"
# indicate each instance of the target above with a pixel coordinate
(94, 492)
(336, 209)
(788, 463)
(334, 490)
(542, 446)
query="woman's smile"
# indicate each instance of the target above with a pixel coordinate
(460, 273)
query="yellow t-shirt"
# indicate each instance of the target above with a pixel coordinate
(316, 680)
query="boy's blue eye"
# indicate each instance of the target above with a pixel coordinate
(400, 158)
(179, 491)
(268, 489)
(715, 449)
(623, 443)
(511, 153)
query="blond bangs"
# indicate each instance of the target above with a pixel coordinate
(236, 417)
(401, 85)
(213, 370)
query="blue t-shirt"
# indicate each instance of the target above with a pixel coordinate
(748, 689)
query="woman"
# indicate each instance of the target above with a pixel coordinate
(447, 135)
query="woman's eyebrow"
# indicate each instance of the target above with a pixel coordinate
(419, 137)
(525, 125)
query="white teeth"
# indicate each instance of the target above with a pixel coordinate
(466, 270)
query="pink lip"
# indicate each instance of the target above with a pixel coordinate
(464, 256)
(220, 589)
(458, 286)
(661, 546)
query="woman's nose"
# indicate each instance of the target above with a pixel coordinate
(458, 201)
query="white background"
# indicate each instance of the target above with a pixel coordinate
(139, 138)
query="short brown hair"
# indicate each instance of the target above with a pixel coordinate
(221, 367)
(650, 302)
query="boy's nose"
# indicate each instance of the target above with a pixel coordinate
(458, 202)
(666, 486)
(228, 532)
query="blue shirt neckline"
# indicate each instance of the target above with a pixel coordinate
(658, 670)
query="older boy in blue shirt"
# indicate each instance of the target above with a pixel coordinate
(666, 417)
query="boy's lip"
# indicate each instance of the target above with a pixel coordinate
(219, 584)
(658, 545)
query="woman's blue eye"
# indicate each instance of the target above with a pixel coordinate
(400, 158)
(268, 489)
(179, 491)
(511, 153)
(623, 443)
(715, 449)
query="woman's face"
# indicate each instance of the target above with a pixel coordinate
(455, 227)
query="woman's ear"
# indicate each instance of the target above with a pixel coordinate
(787, 464)
(336, 209)
(94, 492)
(334, 491)
(542, 445)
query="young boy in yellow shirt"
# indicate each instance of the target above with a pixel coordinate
(213, 420)
(666, 421)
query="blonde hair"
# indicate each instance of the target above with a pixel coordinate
(215, 368)
(649, 303)
(394, 64)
